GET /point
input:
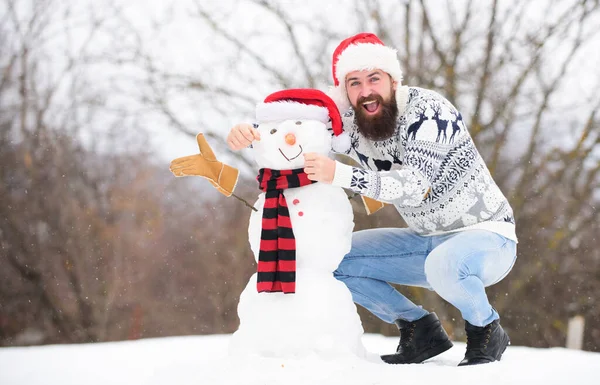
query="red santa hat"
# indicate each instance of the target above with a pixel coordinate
(361, 52)
(307, 104)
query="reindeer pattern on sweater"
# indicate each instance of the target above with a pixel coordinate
(431, 155)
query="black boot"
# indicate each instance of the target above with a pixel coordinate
(484, 344)
(419, 340)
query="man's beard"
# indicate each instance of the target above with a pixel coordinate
(377, 127)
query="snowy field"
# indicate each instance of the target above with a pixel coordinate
(204, 360)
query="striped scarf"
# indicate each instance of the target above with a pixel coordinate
(277, 255)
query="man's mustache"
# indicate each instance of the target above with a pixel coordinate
(370, 98)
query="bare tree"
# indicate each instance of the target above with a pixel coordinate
(103, 245)
(59, 266)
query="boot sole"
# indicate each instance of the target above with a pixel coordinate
(436, 350)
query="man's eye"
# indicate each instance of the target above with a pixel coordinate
(374, 79)
(273, 131)
(353, 84)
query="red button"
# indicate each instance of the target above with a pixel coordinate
(300, 213)
(295, 201)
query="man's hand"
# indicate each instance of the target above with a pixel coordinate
(206, 165)
(241, 136)
(319, 167)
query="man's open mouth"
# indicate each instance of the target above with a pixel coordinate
(290, 159)
(371, 106)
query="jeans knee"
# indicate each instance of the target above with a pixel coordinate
(346, 279)
(338, 275)
(441, 271)
(346, 267)
(342, 271)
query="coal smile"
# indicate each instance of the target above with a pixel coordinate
(290, 159)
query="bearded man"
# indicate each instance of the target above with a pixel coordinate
(416, 153)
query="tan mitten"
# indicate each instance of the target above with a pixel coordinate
(371, 205)
(206, 165)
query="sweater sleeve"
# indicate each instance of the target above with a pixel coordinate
(404, 187)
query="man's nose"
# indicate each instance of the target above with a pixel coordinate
(365, 91)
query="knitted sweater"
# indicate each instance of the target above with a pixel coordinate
(429, 170)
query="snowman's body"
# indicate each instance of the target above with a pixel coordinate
(322, 221)
(320, 317)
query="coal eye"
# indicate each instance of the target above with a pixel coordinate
(273, 131)
(298, 123)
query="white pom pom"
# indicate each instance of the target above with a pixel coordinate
(339, 97)
(341, 143)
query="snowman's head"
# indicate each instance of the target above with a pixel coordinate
(295, 122)
(284, 142)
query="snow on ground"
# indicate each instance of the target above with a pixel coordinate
(203, 360)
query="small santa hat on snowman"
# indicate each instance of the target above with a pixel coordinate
(305, 104)
(364, 51)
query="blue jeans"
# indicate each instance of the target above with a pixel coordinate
(458, 266)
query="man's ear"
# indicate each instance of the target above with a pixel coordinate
(394, 84)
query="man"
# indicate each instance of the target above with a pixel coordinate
(418, 156)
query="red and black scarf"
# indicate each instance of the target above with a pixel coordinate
(277, 255)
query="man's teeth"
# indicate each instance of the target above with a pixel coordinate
(371, 105)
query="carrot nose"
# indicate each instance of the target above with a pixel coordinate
(290, 139)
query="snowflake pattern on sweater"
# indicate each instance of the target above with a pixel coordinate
(429, 169)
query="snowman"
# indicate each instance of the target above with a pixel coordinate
(293, 306)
